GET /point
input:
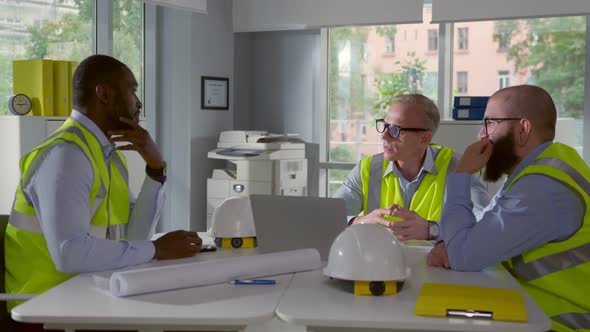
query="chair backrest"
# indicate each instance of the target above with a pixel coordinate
(3, 312)
(3, 224)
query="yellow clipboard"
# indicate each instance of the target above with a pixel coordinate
(445, 300)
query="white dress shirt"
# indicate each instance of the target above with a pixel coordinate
(59, 190)
(536, 210)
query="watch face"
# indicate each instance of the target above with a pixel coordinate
(20, 104)
(434, 230)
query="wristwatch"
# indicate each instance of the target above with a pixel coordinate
(433, 230)
(156, 173)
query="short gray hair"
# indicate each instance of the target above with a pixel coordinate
(431, 114)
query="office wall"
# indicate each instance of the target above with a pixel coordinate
(212, 55)
(244, 76)
(190, 45)
(174, 87)
(278, 75)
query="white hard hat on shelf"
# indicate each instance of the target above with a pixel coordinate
(233, 222)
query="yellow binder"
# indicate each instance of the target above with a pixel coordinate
(71, 68)
(445, 300)
(34, 78)
(61, 87)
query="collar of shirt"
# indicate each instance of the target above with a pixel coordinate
(427, 166)
(527, 161)
(108, 147)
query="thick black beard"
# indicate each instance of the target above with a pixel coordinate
(503, 158)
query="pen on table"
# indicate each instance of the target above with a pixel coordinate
(253, 282)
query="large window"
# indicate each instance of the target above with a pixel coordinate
(360, 91)
(42, 29)
(548, 52)
(127, 36)
(64, 30)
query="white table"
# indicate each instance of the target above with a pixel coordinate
(79, 304)
(319, 304)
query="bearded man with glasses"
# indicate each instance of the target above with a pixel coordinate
(537, 226)
(403, 188)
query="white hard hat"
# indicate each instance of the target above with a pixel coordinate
(366, 252)
(233, 219)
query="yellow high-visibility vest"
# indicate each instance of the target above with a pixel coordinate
(380, 191)
(29, 267)
(556, 274)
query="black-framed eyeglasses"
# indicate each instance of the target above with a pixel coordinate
(393, 130)
(490, 124)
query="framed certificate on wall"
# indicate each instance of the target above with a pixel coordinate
(214, 93)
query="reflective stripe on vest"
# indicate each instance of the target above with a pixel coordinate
(574, 320)
(549, 264)
(121, 166)
(31, 224)
(561, 260)
(567, 169)
(375, 179)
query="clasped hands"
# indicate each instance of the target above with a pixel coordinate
(408, 225)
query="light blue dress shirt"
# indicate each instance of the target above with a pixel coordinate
(59, 190)
(537, 209)
(351, 189)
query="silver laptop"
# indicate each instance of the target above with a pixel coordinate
(288, 223)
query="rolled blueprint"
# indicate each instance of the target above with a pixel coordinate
(208, 272)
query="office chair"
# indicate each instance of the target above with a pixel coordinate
(4, 296)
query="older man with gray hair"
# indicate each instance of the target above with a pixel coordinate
(403, 188)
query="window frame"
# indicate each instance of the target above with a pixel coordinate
(503, 79)
(432, 40)
(389, 43)
(504, 43)
(463, 38)
(464, 86)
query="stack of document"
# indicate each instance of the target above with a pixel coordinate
(200, 273)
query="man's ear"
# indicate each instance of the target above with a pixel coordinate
(526, 129)
(103, 93)
(426, 137)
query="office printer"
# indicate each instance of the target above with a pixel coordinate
(258, 162)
